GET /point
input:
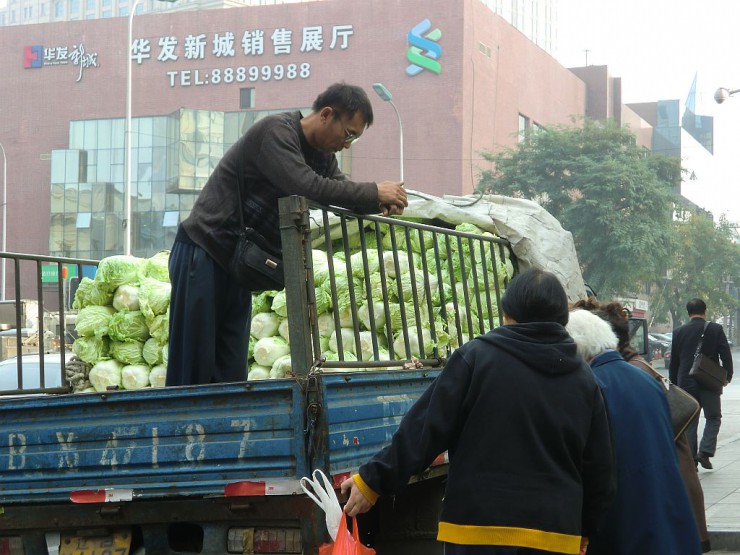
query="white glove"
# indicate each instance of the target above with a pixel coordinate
(325, 497)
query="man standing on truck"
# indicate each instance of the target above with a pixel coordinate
(280, 155)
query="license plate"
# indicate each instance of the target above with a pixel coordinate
(115, 543)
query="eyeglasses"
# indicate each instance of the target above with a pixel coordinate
(349, 138)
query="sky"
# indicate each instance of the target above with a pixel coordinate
(656, 47)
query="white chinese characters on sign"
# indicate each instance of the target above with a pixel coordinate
(252, 44)
(77, 55)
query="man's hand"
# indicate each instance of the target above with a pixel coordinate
(391, 209)
(392, 197)
(357, 503)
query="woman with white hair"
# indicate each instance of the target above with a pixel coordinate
(651, 512)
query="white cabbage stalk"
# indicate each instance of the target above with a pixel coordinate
(348, 341)
(366, 345)
(281, 367)
(399, 347)
(326, 324)
(106, 373)
(283, 330)
(324, 344)
(135, 376)
(320, 267)
(158, 376)
(373, 263)
(279, 304)
(390, 265)
(363, 313)
(264, 324)
(268, 349)
(126, 297)
(258, 372)
(345, 317)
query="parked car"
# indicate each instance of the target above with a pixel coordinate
(657, 347)
(31, 365)
(667, 337)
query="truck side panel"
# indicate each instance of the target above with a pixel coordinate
(363, 411)
(189, 440)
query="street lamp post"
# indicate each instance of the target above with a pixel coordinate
(127, 189)
(386, 95)
(5, 214)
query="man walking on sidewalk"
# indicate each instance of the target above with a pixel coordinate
(683, 348)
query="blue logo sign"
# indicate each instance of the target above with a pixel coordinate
(424, 51)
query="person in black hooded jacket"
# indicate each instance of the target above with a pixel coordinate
(525, 427)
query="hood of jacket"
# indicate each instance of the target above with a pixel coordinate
(543, 346)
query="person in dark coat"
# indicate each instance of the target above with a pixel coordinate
(524, 425)
(618, 318)
(651, 512)
(683, 348)
(280, 155)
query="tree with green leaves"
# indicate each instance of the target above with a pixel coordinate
(615, 197)
(706, 264)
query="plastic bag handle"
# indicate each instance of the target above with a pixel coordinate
(356, 530)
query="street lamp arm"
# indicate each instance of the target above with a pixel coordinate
(400, 135)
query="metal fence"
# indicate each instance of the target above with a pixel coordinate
(34, 314)
(380, 291)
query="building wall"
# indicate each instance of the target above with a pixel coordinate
(448, 117)
(506, 75)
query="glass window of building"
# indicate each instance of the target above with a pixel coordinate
(58, 9)
(83, 220)
(74, 7)
(523, 125)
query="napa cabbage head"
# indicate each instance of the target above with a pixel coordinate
(105, 374)
(157, 266)
(94, 320)
(135, 376)
(154, 297)
(152, 352)
(91, 349)
(126, 297)
(158, 376)
(118, 270)
(90, 292)
(128, 324)
(264, 324)
(129, 351)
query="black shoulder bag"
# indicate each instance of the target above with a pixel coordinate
(705, 371)
(255, 264)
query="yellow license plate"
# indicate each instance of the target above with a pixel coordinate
(115, 543)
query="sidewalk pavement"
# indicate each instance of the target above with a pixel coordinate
(722, 484)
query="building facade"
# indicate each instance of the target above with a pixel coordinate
(463, 79)
(28, 12)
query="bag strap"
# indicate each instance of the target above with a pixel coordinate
(701, 339)
(239, 181)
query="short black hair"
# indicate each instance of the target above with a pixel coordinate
(695, 307)
(346, 99)
(536, 296)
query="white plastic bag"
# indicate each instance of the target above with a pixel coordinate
(323, 494)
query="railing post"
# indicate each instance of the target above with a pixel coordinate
(294, 224)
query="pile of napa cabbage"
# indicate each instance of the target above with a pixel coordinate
(122, 322)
